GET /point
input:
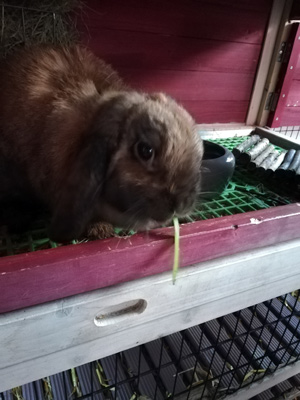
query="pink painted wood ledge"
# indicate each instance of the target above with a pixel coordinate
(45, 275)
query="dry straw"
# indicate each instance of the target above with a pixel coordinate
(35, 22)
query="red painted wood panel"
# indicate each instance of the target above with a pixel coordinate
(197, 84)
(293, 98)
(167, 52)
(297, 70)
(287, 112)
(224, 111)
(205, 51)
(291, 117)
(291, 111)
(227, 20)
(46, 275)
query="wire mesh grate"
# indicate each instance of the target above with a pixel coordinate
(208, 361)
(292, 132)
(244, 193)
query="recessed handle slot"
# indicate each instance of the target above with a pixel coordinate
(120, 312)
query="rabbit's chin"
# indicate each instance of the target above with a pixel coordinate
(125, 220)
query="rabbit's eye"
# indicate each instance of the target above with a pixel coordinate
(144, 151)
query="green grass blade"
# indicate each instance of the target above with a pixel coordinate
(176, 249)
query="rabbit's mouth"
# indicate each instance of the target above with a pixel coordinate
(151, 224)
(130, 219)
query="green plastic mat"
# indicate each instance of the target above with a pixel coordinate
(244, 193)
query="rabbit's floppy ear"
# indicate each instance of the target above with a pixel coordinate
(82, 188)
(74, 206)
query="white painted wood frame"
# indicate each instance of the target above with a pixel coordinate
(46, 339)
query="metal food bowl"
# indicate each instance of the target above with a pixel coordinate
(216, 170)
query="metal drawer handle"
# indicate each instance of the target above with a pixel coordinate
(120, 312)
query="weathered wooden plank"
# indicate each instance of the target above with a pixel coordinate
(244, 23)
(47, 275)
(161, 46)
(127, 49)
(282, 115)
(226, 100)
(293, 97)
(222, 111)
(192, 85)
(53, 337)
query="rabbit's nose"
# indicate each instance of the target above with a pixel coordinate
(176, 205)
(182, 205)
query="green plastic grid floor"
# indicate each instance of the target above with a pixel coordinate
(244, 193)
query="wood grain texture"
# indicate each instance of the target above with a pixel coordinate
(46, 275)
(197, 84)
(194, 50)
(167, 52)
(201, 100)
(199, 19)
(221, 111)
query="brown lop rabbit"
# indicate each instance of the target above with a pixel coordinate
(77, 141)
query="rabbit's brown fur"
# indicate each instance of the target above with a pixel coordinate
(69, 131)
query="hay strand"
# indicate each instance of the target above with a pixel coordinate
(176, 249)
(37, 22)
